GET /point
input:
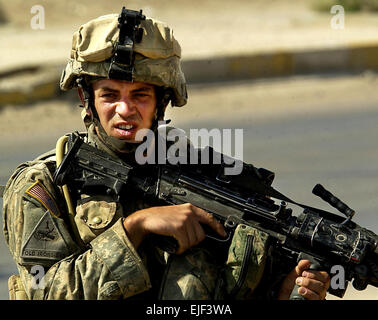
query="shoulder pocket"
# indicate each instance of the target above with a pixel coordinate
(94, 215)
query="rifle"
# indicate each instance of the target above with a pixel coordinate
(326, 239)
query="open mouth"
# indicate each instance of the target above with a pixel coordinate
(126, 130)
(125, 126)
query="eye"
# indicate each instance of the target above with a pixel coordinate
(141, 95)
(108, 95)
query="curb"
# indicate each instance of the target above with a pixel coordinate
(29, 84)
(355, 58)
(43, 82)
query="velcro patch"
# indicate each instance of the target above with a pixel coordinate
(39, 192)
(45, 243)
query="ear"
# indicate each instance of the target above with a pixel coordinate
(88, 111)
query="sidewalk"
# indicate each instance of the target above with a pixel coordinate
(219, 42)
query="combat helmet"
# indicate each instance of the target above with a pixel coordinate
(128, 46)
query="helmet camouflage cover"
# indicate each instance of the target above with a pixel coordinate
(156, 56)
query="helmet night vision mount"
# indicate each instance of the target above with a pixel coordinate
(122, 62)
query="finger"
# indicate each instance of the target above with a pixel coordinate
(208, 219)
(194, 234)
(317, 275)
(182, 239)
(314, 285)
(191, 232)
(182, 247)
(199, 232)
(302, 266)
(309, 294)
(298, 270)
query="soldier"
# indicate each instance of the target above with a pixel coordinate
(127, 71)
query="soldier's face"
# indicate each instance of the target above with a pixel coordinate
(124, 107)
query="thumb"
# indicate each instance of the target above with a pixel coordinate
(302, 266)
(297, 271)
(289, 282)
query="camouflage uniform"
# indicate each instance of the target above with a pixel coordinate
(103, 264)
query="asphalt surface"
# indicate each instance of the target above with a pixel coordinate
(337, 149)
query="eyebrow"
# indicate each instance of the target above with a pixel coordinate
(108, 89)
(134, 90)
(142, 89)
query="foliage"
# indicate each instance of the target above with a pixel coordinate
(349, 5)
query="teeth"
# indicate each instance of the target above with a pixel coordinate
(126, 126)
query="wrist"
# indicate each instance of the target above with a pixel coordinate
(133, 225)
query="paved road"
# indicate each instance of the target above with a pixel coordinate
(338, 150)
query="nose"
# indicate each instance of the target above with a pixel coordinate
(125, 108)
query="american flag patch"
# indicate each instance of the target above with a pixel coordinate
(39, 192)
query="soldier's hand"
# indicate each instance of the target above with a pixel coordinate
(182, 222)
(313, 284)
